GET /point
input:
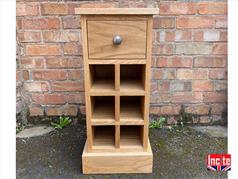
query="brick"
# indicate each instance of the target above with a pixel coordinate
(217, 108)
(72, 49)
(223, 36)
(200, 109)
(215, 97)
(25, 75)
(55, 62)
(209, 61)
(28, 62)
(36, 87)
(219, 74)
(54, 9)
(195, 22)
(187, 97)
(41, 23)
(175, 61)
(163, 23)
(163, 85)
(49, 75)
(220, 48)
(99, 5)
(48, 99)
(193, 48)
(71, 22)
(168, 74)
(212, 8)
(61, 36)
(132, 4)
(18, 24)
(180, 86)
(77, 98)
(203, 85)
(47, 49)
(164, 97)
(220, 85)
(177, 8)
(169, 110)
(207, 35)
(221, 22)
(153, 87)
(162, 49)
(58, 111)
(82, 109)
(67, 86)
(183, 36)
(75, 74)
(18, 76)
(29, 36)
(154, 110)
(157, 74)
(36, 111)
(192, 74)
(27, 9)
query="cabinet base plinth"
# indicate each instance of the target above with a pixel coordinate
(117, 162)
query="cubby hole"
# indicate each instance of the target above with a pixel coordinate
(102, 77)
(131, 136)
(103, 137)
(132, 77)
(103, 107)
(131, 108)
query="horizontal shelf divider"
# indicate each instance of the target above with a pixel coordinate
(122, 61)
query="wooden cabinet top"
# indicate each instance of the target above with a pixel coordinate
(117, 11)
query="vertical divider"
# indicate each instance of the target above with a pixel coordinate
(117, 105)
(147, 83)
(87, 85)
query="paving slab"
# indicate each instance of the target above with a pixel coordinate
(178, 153)
(213, 131)
(34, 131)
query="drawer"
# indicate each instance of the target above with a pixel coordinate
(102, 32)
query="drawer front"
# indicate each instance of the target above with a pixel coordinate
(102, 32)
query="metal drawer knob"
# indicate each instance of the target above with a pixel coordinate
(117, 40)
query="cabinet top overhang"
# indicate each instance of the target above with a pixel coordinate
(117, 11)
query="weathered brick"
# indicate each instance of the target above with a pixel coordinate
(25, 75)
(205, 120)
(61, 36)
(99, 5)
(200, 109)
(169, 110)
(219, 74)
(71, 22)
(36, 86)
(47, 99)
(163, 49)
(163, 85)
(29, 62)
(58, 62)
(163, 23)
(180, 86)
(212, 8)
(27, 9)
(215, 97)
(207, 35)
(203, 85)
(155, 110)
(175, 61)
(36, 111)
(41, 23)
(75, 74)
(169, 74)
(192, 74)
(193, 48)
(54, 9)
(29, 36)
(77, 98)
(65, 110)
(183, 36)
(67, 86)
(220, 48)
(195, 22)
(221, 22)
(132, 3)
(217, 108)
(82, 109)
(177, 8)
(220, 85)
(223, 36)
(72, 49)
(18, 76)
(46, 49)
(209, 61)
(157, 74)
(49, 75)
(18, 24)
(187, 97)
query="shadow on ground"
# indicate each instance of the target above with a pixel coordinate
(178, 153)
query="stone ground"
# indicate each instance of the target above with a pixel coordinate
(178, 153)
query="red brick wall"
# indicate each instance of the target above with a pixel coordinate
(189, 64)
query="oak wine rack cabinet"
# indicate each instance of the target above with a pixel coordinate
(117, 45)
